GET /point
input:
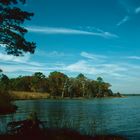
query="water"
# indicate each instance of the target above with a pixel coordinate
(119, 116)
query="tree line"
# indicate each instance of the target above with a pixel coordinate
(58, 84)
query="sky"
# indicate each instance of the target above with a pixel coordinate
(93, 37)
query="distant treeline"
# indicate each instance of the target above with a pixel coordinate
(131, 94)
(58, 84)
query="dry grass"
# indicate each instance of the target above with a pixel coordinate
(19, 95)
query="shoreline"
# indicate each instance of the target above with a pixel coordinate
(40, 96)
(21, 96)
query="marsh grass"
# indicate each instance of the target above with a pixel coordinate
(70, 124)
(66, 130)
(20, 95)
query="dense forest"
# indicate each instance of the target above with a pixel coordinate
(58, 84)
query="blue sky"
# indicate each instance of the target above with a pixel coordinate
(93, 37)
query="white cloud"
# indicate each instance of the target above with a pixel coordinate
(137, 10)
(5, 57)
(111, 68)
(92, 56)
(68, 31)
(89, 68)
(124, 20)
(81, 67)
(17, 59)
(24, 68)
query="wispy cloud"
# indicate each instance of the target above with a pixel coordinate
(81, 67)
(134, 57)
(124, 20)
(4, 58)
(137, 10)
(23, 68)
(93, 69)
(12, 64)
(92, 56)
(68, 31)
(53, 54)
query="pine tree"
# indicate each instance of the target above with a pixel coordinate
(12, 34)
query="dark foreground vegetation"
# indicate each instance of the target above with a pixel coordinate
(6, 105)
(60, 134)
(33, 128)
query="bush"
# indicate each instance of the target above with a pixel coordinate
(5, 103)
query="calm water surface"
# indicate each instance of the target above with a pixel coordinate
(98, 116)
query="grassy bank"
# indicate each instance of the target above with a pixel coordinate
(22, 95)
(16, 95)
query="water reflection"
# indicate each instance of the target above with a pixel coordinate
(4, 119)
(54, 114)
(77, 114)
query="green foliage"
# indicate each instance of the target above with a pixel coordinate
(38, 82)
(99, 79)
(58, 84)
(20, 83)
(11, 32)
(81, 77)
(4, 82)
